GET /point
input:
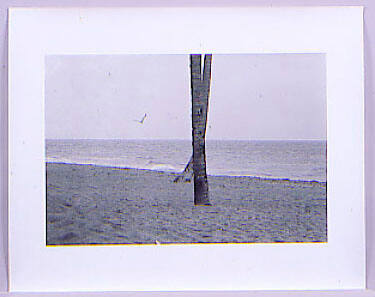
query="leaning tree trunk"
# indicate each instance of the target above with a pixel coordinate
(187, 174)
(200, 86)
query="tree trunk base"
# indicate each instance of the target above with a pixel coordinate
(203, 204)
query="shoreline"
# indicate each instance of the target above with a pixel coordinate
(178, 173)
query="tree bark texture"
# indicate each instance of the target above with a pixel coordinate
(200, 89)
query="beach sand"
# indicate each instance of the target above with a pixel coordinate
(89, 204)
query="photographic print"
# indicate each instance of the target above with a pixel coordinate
(176, 149)
(148, 155)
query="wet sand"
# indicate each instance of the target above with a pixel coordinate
(89, 204)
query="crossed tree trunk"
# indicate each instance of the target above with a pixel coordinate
(200, 90)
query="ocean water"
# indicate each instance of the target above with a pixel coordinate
(296, 160)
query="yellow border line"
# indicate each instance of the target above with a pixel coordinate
(179, 244)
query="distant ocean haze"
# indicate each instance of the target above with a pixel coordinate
(292, 159)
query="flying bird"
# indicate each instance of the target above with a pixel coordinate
(143, 119)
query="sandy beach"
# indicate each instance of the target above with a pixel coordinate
(89, 204)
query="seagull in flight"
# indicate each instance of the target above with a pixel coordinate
(143, 119)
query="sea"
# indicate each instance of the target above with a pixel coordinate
(304, 160)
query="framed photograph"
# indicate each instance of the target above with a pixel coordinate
(186, 149)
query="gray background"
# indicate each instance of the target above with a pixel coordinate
(369, 132)
(253, 96)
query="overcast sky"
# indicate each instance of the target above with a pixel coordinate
(253, 96)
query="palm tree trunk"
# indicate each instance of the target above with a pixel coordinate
(200, 86)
